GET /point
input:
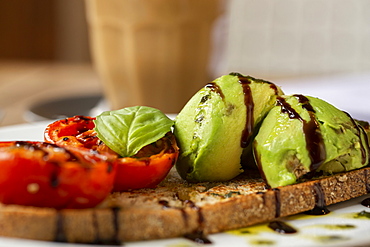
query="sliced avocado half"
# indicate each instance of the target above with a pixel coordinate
(303, 136)
(218, 123)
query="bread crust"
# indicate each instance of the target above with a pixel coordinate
(176, 208)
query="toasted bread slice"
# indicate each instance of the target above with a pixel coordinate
(176, 208)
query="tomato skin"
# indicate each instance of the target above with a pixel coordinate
(146, 170)
(71, 131)
(137, 173)
(43, 175)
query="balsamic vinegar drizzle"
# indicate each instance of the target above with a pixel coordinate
(274, 87)
(54, 178)
(165, 204)
(314, 140)
(61, 237)
(366, 202)
(360, 131)
(215, 88)
(281, 227)
(42, 146)
(319, 209)
(29, 145)
(320, 204)
(198, 235)
(95, 223)
(115, 212)
(248, 101)
(286, 108)
(98, 240)
(277, 202)
(59, 234)
(311, 129)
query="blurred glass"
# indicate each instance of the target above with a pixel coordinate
(152, 52)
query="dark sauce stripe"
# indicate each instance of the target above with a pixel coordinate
(164, 203)
(44, 148)
(367, 184)
(360, 131)
(249, 104)
(314, 139)
(81, 118)
(31, 146)
(273, 87)
(287, 109)
(263, 196)
(115, 214)
(281, 227)
(311, 129)
(248, 100)
(96, 228)
(101, 240)
(200, 214)
(185, 217)
(215, 88)
(277, 202)
(245, 81)
(54, 176)
(59, 232)
(366, 202)
(198, 235)
(320, 203)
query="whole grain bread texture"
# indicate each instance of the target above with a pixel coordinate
(176, 208)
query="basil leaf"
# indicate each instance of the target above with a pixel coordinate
(128, 130)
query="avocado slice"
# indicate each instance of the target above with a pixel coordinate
(304, 136)
(218, 123)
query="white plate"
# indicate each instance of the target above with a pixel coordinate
(338, 228)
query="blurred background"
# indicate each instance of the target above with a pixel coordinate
(53, 30)
(270, 38)
(44, 47)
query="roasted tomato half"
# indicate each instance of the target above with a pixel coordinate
(45, 175)
(149, 167)
(144, 170)
(75, 131)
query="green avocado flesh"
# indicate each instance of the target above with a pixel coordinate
(217, 124)
(238, 121)
(302, 136)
